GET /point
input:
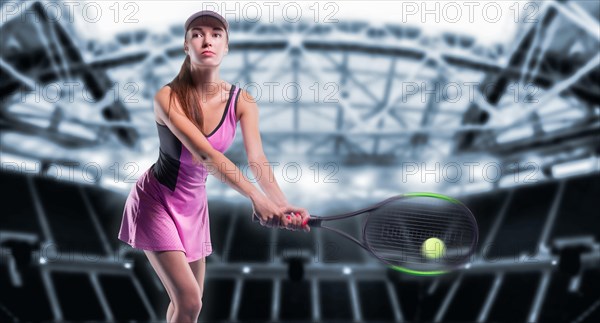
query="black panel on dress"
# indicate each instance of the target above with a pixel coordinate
(166, 168)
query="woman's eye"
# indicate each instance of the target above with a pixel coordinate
(219, 35)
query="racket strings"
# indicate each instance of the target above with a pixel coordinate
(390, 233)
(395, 232)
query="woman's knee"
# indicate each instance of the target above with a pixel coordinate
(189, 301)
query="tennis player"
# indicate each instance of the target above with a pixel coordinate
(166, 212)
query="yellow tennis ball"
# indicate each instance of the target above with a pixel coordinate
(433, 248)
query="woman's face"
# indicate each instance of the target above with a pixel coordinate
(206, 41)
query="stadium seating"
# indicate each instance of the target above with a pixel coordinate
(123, 286)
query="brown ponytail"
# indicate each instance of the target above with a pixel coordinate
(182, 86)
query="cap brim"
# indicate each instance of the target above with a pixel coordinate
(206, 13)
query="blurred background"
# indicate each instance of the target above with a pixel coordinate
(494, 103)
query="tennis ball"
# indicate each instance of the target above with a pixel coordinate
(433, 248)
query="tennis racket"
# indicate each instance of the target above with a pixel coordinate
(415, 233)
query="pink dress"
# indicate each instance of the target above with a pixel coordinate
(167, 208)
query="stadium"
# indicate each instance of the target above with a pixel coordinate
(352, 111)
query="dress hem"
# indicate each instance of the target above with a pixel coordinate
(168, 248)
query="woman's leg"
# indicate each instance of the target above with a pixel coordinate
(199, 269)
(170, 312)
(171, 307)
(180, 283)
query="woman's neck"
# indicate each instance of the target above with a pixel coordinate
(208, 84)
(206, 79)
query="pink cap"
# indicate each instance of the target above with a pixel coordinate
(206, 13)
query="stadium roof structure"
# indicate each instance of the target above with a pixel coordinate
(351, 91)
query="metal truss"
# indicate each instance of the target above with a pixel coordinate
(348, 91)
(349, 273)
(557, 56)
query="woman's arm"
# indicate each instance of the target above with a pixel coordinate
(214, 160)
(261, 168)
(259, 164)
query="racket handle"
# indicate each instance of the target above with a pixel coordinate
(255, 217)
(312, 222)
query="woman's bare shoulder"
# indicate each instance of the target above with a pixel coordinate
(161, 98)
(163, 93)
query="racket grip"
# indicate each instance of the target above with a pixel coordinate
(255, 217)
(314, 222)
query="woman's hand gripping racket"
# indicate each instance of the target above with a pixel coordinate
(415, 233)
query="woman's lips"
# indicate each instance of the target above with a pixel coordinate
(208, 53)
